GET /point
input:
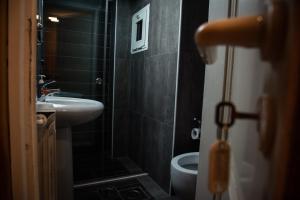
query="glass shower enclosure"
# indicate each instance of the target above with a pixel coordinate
(76, 49)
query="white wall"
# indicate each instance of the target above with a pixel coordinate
(212, 95)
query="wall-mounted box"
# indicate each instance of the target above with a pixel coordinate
(140, 29)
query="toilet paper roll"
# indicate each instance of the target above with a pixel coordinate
(195, 134)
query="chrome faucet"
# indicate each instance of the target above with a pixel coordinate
(48, 83)
(47, 92)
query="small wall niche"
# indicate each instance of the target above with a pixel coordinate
(140, 28)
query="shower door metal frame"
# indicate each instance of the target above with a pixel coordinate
(114, 81)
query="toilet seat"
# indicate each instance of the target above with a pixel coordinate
(185, 159)
(183, 177)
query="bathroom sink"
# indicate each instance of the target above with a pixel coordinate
(74, 111)
(44, 107)
(69, 112)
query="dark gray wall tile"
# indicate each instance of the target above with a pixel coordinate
(137, 85)
(152, 85)
(156, 87)
(157, 150)
(55, 62)
(122, 82)
(121, 131)
(136, 150)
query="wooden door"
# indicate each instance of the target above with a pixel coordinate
(5, 178)
(20, 76)
(254, 176)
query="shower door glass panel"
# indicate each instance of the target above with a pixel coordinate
(78, 55)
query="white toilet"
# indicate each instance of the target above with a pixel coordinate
(184, 170)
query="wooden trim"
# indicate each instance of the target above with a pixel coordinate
(286, 161)
(5, 173)
(21, 79)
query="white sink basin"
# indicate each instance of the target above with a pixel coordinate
(74, 111)
(69, 112)
(44, 107)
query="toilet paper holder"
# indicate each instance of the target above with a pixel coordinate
(196, 132)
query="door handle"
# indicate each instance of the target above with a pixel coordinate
(266, 32)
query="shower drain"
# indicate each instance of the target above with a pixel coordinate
(124, 192)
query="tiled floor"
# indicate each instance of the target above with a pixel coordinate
(114, 191)
(142, 188)
(88, 167)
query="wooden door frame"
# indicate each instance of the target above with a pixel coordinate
(286, 161)
(18, 100)
(5, 172)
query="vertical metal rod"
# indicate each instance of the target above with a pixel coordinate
(229, 62)
(95, 49)
(114, 78)
(104, 73)
(105, 50)
(41, 8)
